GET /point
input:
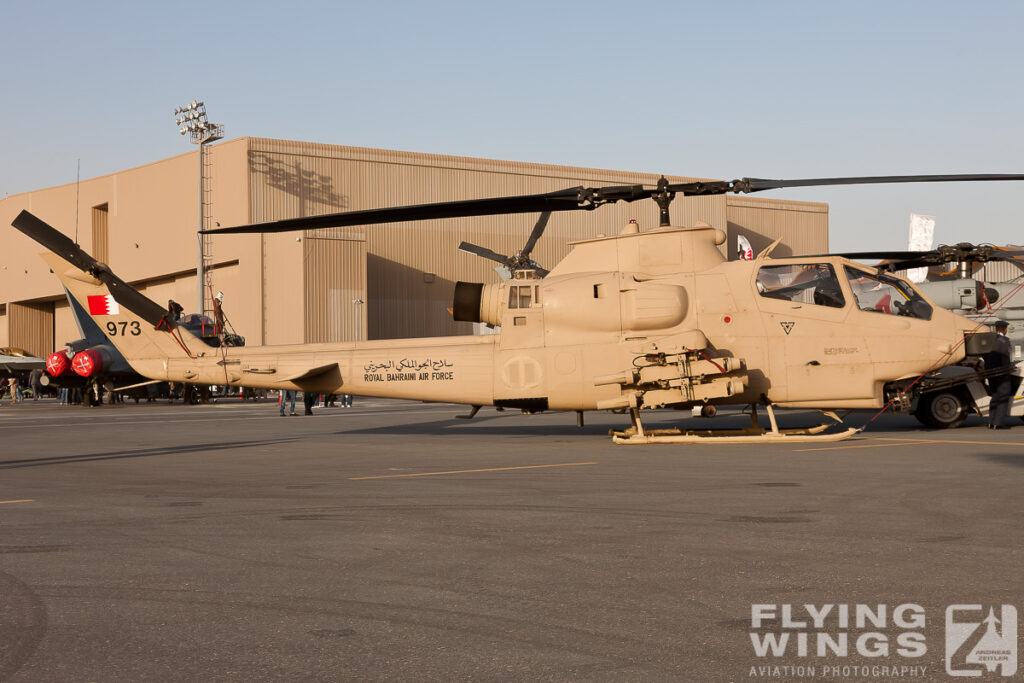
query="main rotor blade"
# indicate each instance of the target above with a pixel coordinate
(573, 199)
(943, 254)
(538, 230)
(865, 255)
(562, 200)
(61, 244)
(907, 264)
(748, 185)
(927, 259)
(483, 251)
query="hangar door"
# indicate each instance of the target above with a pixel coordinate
(31, 327)
(335, 283)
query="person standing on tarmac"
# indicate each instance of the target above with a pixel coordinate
(1001, 384)
(309, 400)
(34, 381)
(16, 395)
(285, 397)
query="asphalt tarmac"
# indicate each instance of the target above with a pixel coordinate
(392, 541)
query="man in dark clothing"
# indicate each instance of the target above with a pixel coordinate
(1001, 384)
(34, 380)
(309, 400)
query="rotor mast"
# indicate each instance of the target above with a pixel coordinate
(663, 198)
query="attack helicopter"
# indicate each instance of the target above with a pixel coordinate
(641, 320)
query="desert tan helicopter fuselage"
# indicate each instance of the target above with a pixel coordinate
(644, 319)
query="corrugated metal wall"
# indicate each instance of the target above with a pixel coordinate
(335, 280)
(3, 326)
(802, 226)
(411, 268)
(31, 326)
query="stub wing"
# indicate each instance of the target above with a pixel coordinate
(21, 363)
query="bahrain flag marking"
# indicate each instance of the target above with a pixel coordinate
(103, 305)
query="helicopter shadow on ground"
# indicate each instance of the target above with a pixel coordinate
(596, 424)
(1008, 459)
(905, 423)
(185, 449)
(496, 425)
(600, 423)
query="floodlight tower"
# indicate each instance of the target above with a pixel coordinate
(193, 122)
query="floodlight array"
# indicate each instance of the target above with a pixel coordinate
(193, 121)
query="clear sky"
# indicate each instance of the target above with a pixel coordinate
(720, 90)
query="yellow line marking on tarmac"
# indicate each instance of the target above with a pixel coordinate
(5, 502)
(489, 469)
(876, 445)
(270, 417)
(974, 443)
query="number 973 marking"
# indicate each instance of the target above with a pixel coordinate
(124, 327)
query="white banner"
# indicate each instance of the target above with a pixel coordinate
(922, 233)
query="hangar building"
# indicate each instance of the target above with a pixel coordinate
(305, 286)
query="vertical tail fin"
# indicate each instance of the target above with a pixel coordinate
(142, 330)
(132, 333)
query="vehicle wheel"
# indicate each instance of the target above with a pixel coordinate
(942, 410)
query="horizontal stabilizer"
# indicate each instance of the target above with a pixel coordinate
(139, 385)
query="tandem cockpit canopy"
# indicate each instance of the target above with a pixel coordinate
(818, 284)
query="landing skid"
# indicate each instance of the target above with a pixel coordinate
(636, 434)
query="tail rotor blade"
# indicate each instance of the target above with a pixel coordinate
(520, 261)
(535, 235)
(484, 252)
(54, 240)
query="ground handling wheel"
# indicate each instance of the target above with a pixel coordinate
(941, 410)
